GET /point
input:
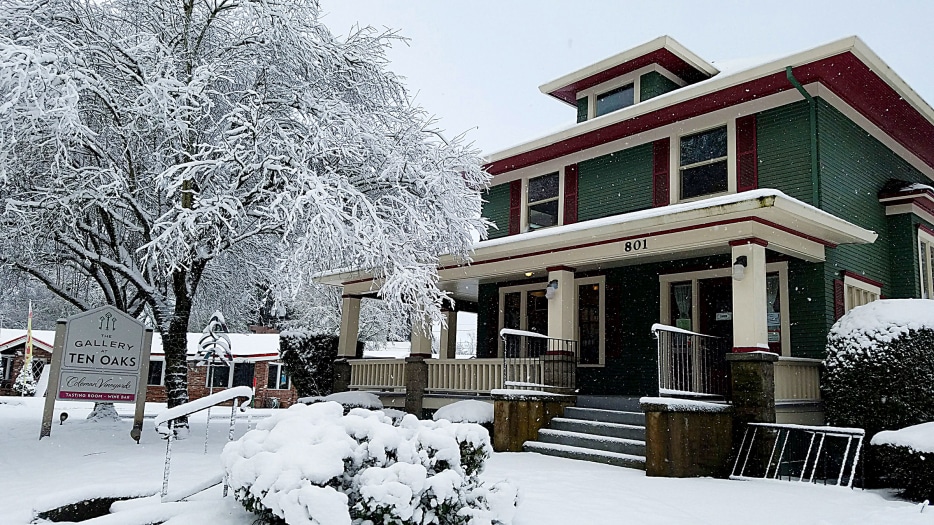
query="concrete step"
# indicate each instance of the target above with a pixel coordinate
(586, 454)
(624, 403)
(599, 428)
(606, 416)
(631, 447)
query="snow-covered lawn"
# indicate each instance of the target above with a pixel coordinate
(87, 458)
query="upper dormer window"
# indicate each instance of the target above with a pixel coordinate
(543, 201)
(703, 165)
(614, 99)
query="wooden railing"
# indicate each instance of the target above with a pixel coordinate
(797, 379)
(465, 375)
(377, 374)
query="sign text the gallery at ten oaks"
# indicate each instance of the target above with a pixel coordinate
(101, 357)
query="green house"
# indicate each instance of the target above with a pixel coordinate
(691, 212)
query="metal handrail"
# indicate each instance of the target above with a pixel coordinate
(538, 362)
(690, 362)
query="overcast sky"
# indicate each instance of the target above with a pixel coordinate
(477, 64)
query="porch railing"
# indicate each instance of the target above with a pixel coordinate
(465, 375)
(537, 362)
(377, 374)
(691, 363)
(797, 379)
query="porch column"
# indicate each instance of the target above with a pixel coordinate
(750, 332)
(350, 327)
(421, 341)
(448, 343)
(561, 303)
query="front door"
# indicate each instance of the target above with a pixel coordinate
(715, 307)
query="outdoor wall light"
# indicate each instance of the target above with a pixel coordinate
(528, 274)
(739, 268)
(551, 289)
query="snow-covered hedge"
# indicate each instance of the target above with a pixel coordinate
(466, 411)
(880, 366)
(312, 465)
(906, 460)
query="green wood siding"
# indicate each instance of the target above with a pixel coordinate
(783, 142)
(496, 209)
(853, 168)
(653, 84)
(581, 109)
(620, 182)
(806, 308)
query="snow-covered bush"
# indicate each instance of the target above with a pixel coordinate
(905, 460)
(880, 366)
(466, 411)
(312, 465)
(310, 361)
(348, 400)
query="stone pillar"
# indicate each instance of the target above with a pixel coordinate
(687, 439)
(517, 417)
(448, 344)
(561, 304)
(350, 327)
(750, 331)
(341, 375)
(416, 381)
(753, 396)
(421, 339)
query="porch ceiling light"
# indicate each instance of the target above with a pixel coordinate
(551, 289)
(739, 268)
(528, 274)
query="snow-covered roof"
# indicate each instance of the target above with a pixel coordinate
(250, 347)
(744, 72)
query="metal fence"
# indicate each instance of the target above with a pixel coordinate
(537, 362)
(691, 363)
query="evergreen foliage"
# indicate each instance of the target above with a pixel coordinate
(911, 471)
(309, 360)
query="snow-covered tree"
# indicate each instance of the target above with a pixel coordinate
(25, 383)
(169, 151)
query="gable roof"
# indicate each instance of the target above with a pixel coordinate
(847, 67)
(664, 51)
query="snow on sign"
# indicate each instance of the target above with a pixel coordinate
(101, 357)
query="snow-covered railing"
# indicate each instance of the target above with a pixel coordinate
(689, 362)
(165, 422)
(797, 379)
(377, 374)
(535, 361)
(465, 375)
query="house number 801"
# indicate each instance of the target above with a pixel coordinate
(632, 246)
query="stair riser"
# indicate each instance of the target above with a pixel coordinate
(625, 418)
(585, 428)
(619, 462)
(593, 443)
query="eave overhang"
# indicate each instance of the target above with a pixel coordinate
(846, 67)
(787, 225)
(664, 51)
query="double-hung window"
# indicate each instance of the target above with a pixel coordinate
(615, 99)
(703, 166)
(278, 378)
(543, 201)
(926, 256)
(156, 376)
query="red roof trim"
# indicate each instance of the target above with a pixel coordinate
(925, 229)
(662, 57)
(863, 278)
(749, 240)
(844, 74)
(22, 338)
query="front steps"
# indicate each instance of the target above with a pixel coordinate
(602, 435)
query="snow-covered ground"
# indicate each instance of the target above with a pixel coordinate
(83, 458)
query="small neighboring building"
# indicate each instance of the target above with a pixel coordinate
(255, 364)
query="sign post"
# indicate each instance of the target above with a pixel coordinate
(99, 355)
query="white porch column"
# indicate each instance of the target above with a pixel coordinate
(561, 305)
(421, 341)
(448, 343)
(750, 332)
(350, 327)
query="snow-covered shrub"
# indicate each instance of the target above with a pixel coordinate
(466, 411)
(309, 360)
(349, 400)
(880, 366)
(312, 465)
(905, 460)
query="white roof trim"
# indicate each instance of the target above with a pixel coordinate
(712, 85)
(662, 42)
